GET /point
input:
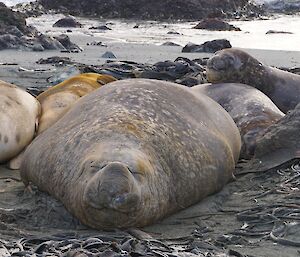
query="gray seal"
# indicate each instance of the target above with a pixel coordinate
(133, 152)
(252, 111)
(236, 66)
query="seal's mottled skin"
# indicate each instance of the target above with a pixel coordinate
(133, 152)
(252, 111)
(19, 113)
(236, 66)
(57, 100)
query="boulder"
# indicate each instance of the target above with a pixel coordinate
(207, 47)
(67, 22)
(216, 25)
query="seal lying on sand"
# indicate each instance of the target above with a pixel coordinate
(251, 110)
(19, 113)
(133, 152)
(232, 65)
(57, 100)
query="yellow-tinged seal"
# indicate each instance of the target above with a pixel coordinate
(57, 100)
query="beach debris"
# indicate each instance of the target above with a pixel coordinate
(55, 60)
(108, 55)
(100, 27)
(67, 22)
(216, 25)
(278, 32)
(183, 70)
(207, 47)
(97, 43)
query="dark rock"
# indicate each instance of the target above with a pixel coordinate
(101, 27)
(56, 60)
(38, 48)
(170, 44)
(278, 32)
(69, 31)
(97, 43)
(207, 47)
(67, 44)
(151, 9)
(108, 55)
(173, 33)
(283, 6)
(136, 26)
(8, 41)
(67, 22)
(49, 43)
(11, 18)
(216, 25)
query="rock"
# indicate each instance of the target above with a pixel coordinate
(11, 18)
(49, 43)
(67, 44)
(216, 25)
(173, 33)
(101, 27)
(56, 60)
(170, 44)
(136, 26)
(278, 32)
(8, 41)
(38, 48)
(207, 47)
(97, 43)
(152, 9)
(108, 55)
(67, 22)
(282, 6)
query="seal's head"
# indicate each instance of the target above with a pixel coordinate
(118, 190)
(231, 65)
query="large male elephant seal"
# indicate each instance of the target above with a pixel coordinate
(236, 66)
(133, 152)
(19, 113)
(252, 111)
(57, 100)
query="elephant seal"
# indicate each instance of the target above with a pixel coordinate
(57, 100)
(236, 66)
(252, 111)
(133, 152)
(19, 114)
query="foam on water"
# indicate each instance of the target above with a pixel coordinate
(253, 34)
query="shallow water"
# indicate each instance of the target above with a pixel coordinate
(253, 34)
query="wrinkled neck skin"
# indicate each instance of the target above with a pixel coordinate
(117, 186)
(281, 86)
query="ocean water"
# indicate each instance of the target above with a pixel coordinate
(253, 34)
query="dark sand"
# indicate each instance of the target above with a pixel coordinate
(217, 225)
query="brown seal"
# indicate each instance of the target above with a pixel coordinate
(236, 66)
(252, 111)
(57, 100)
(133, 152)
(19, 113)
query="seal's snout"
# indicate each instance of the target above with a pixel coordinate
(113, 187)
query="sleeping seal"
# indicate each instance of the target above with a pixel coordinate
(236, 66)
(57, 100)
(19, 114)
(133, 152)
(252, 111)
